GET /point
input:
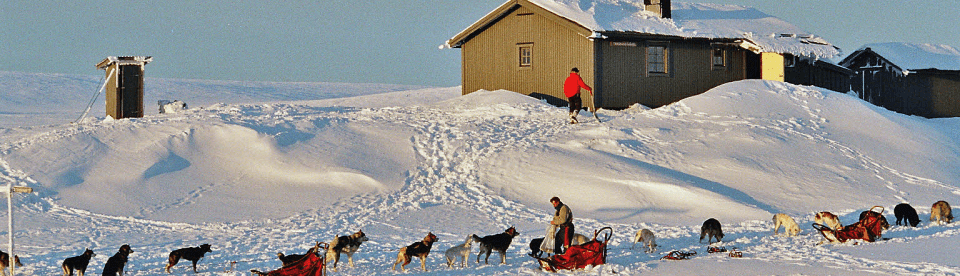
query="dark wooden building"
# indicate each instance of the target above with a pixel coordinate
(909, 78)
(124, 85)
(647, 51)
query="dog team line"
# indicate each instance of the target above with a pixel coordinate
(940, 213)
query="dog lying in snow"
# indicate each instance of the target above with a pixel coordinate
(461, 250)
(345, 244)
(789, 225)
(499, 242)
(711, 229)
(646, 237)
(941, 212)
(418, 249)
(828, 219)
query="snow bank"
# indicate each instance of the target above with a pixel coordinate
(260, 178)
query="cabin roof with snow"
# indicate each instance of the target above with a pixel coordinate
(758, 32)
(124, 60)
(912, 56)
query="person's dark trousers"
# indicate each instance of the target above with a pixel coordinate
(563, 238)
(575, 103)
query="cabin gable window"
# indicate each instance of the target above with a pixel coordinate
(525, 52)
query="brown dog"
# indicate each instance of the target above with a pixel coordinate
(5, 260)
(940, 212)
(499, 243)
(193, 254)
(116, 262)
(345, 244)
(828, 219)
(418, 249)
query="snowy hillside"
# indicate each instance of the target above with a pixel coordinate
(258, 168)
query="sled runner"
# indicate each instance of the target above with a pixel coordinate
(312, 264)
(593, 252)
(678, 255)
(867, 229)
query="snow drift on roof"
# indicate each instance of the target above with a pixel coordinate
(699, 20)
(918, 56)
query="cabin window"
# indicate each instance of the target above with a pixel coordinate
(719, 57)
(789, 61)
(657, 59)
(526, 54)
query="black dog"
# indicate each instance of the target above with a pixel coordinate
(499, 242)
(710, 229)
(905, 211)
(288, 259)
(535, 247)
(193, 254)
(883, 219)
(78, 263)
(116, 263)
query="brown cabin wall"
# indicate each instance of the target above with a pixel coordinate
(491, 59)
(690, 72)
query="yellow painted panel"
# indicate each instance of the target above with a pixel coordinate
(772, 65)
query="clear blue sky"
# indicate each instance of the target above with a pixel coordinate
(357, 41)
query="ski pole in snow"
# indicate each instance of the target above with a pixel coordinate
(593, 102)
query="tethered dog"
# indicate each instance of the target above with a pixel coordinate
(345, 244)
(418, 249)
(499, 242)
(116, 263)
(78, 263)
(193, 254)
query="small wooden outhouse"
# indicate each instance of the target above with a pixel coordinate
(124, 85)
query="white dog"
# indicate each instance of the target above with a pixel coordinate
(828, 219)
(460, 250)
(579, 239)
(789, 225)
(646, 237)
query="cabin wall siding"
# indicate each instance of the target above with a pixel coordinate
(491, 59)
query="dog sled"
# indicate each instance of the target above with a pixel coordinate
(312, 264)
(593, 252)
(868, 228)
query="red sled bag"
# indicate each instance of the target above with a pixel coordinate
(312, 264)
(593, 252)
(868, 229)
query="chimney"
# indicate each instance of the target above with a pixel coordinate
(661, 7)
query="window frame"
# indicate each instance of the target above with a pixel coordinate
(525, 59)
(722, 58)
(653, 63)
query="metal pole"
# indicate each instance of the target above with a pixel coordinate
(12, 257)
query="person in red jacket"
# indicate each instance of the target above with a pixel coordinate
(571, 89)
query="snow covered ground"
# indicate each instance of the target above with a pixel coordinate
(258, 168)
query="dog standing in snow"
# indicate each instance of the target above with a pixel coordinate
(828, 219)
(345, 244)
(461, 250)
(78, 263)
(711, 229)
(941, 212)
(789, 225)
(418, 249)
(906, 214)
(645, 237)
(499, 243)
